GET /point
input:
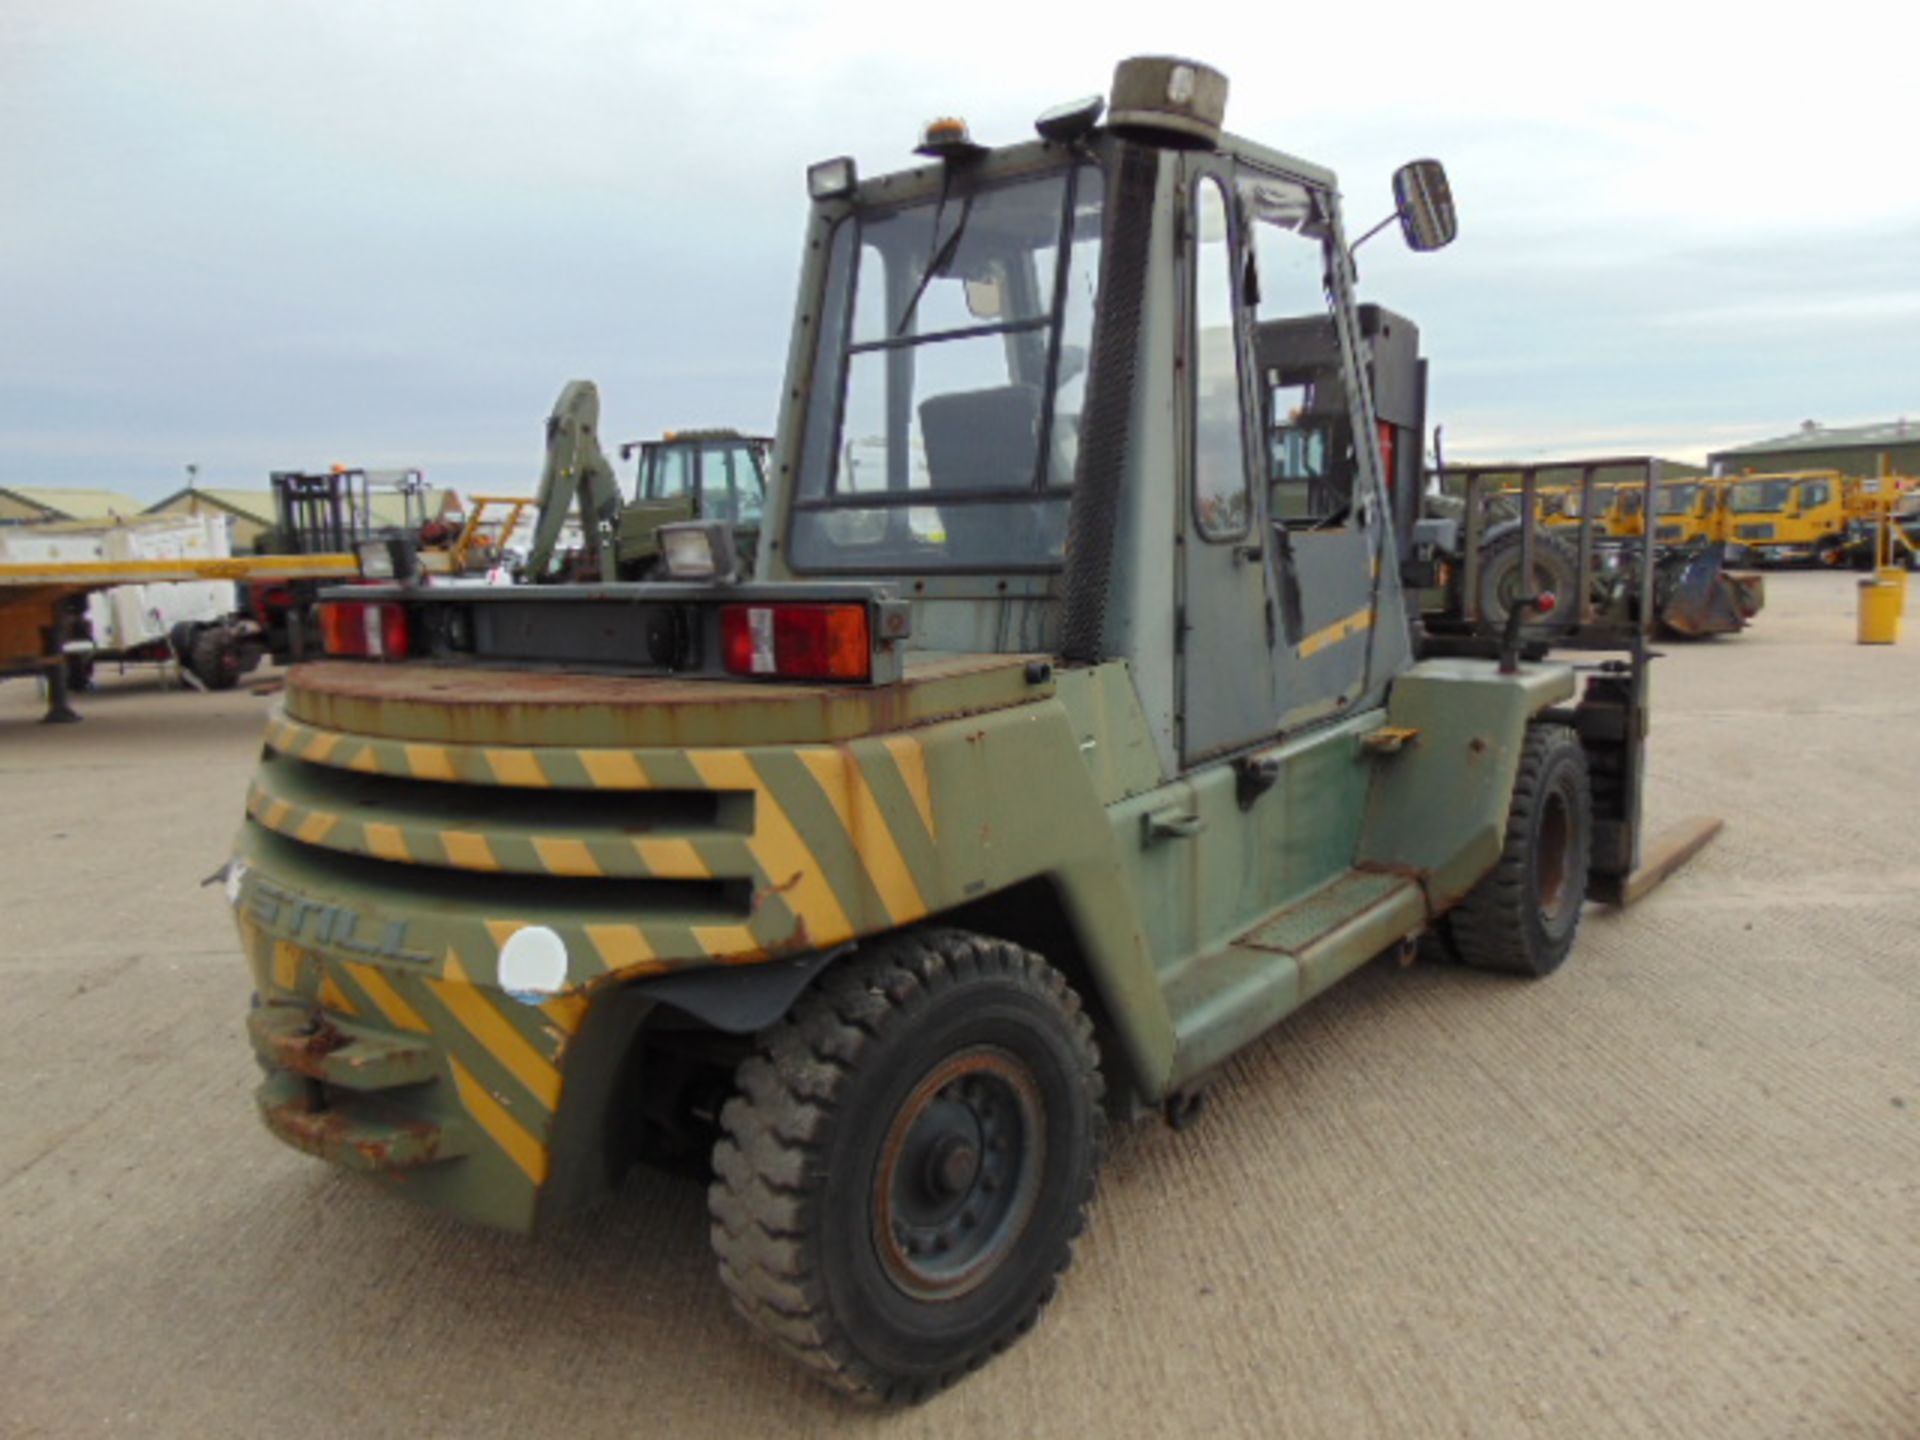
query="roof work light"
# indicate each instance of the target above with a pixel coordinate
(832, 179)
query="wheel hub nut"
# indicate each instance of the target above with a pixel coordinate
(954, 1164)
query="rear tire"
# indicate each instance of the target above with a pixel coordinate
(215, 658)
(908, 1161)
(1500, 586)
(1522, 917)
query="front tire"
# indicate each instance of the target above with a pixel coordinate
(1523, 915)
(908, 1161)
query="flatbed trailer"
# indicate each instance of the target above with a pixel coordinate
(38, 600)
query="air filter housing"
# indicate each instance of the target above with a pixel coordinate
(1165, 100)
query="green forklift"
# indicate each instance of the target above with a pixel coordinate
(1102, 693)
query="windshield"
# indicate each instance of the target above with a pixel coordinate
(1599, 501)
(1675, 499)
(1752, 496)
(944, 425)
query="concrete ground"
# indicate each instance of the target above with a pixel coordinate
(1672, 1191)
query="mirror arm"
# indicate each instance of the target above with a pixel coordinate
(1373, 232)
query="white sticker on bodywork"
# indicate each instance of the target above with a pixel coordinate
(236, 872)
(533, 964)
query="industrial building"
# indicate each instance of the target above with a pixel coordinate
(1850, 449)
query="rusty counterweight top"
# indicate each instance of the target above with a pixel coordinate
(482, 706)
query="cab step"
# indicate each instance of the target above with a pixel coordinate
(1221, 1000)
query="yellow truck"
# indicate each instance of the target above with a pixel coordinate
(1797, 515)
(1689, 511)
(1616, 510)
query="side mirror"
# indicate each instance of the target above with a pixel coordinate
(1424, 201)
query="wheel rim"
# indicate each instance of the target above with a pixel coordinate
(1551, 862)
(958, 1174)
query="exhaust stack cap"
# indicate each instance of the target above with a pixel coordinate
(1165, 100)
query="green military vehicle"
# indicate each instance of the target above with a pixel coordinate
(1072, 732)
(717, 475)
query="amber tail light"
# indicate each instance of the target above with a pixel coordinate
(797, 642)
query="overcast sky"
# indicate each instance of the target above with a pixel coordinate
(284, 233)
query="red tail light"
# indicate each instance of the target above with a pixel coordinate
(797, 642)
(355, 627)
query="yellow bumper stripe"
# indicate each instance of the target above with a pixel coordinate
(332, 997)
(500, 1040)
(389, 1001)
(505, 1131)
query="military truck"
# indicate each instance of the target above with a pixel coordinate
(1072, 732)
(714, 475)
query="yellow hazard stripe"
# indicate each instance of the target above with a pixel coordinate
(911, 761)
(505, 1131)
(316, 827)
(566, 857)
(469, 850)
(782, 854)
(332, 997)
(673, 859)
(430, 762)
(566, 1011)
(498, 1038)
(873, 843)
(1360, 621)
(624, 948)
(387, 1000)
(286, 967)
(386, 841)
(729, 942)
(517, 767)
(613, 770)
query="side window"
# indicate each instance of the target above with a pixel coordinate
(671, 474)
(749, 486)
(1219, 442)
(1814, 494)
(1311, 461)
(716, 496)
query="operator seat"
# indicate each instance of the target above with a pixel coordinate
(985, 440)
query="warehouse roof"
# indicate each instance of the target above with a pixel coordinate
(66, 504)
(389, 507)
(1815, 436)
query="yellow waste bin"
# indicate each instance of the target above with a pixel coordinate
(1879, 612)
(1896, 576)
